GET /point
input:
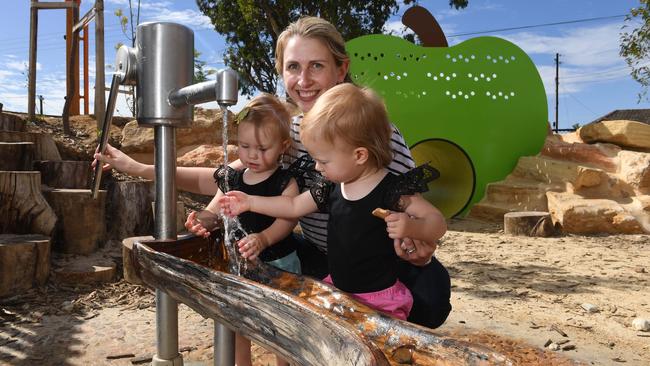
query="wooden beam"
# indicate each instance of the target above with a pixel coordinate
(54, 5)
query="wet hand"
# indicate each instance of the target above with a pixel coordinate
(234, 203)
(252, 245)
(193, 225)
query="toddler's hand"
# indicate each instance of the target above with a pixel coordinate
(193, 225)
(397, 224)
(234, 202)
(252, 245)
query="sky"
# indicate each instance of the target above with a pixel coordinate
(594, 79)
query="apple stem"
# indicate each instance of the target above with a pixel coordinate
(425, 26)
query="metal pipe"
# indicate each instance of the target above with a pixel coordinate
(165, 228)
(224, 341)
(194, 94)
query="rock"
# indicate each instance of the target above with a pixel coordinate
(575, 214)
(621, 132)
(599, 155)
(641, 324)
(553, 347)
(207, 156)
(205, 129)
(590, 308)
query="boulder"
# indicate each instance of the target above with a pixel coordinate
(575, 214)
(207, 156)
(621, 132)
(205, 129)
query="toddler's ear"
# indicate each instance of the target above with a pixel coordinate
(361, 155)
(285, 145)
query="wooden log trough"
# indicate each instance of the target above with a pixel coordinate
(306, 321)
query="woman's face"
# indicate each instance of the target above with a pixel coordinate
(309, 70)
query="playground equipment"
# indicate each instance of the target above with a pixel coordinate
(73, 27)
(161, 68)
(470, 110)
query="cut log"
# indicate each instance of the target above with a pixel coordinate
(44, 145)
(83, 270)
(23, 209)
(528, 223)
(64, 173)
(10, 122)
(81, 225)
(24, 262)
(130, 273)
(128, 209)
(16, 155)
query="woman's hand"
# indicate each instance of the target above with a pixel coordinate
(416, 252)
(234, 202)
(252, 245)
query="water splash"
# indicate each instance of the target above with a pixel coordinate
(232, 228)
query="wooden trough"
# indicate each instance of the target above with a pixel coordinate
(304, 320)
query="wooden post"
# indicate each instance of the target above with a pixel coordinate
(100, 82)
(33, 35)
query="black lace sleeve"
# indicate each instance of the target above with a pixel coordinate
(304, 171)
(320, 191)
(226, 177)
(412, 182)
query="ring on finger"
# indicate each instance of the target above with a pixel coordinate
(410, 251)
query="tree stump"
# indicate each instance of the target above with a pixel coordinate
(24, 262)
(528, 223)
(81, 225)
(10, 122)
(83, 270)
(64, 173)
(130, 273)
(128, 209)
(23, 209)
(16, 155)
(44, 145)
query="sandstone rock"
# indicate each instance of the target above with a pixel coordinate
(575, 214)
(621, 132)
(206, 129)
(207, 156)
(635, 169)
(601, 156)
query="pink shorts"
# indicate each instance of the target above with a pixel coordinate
(395, 300)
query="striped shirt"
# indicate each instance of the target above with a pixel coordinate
(314, 226)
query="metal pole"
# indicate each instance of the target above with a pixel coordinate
(33, 34)
(165, 228)
(557, 85)
(40, 99)
(100, 82)
(224, 345)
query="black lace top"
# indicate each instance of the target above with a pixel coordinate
(361, 256)
(254, 222)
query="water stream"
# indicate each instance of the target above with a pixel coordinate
(232, 228)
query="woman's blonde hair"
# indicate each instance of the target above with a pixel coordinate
(356, 116)
(267, 112)
(311, 27)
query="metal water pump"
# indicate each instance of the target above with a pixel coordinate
(161, 68)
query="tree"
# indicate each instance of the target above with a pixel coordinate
(133, 22)
(200, 74)
(635, 45)
(251, 29)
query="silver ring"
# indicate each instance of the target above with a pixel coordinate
(410, 251)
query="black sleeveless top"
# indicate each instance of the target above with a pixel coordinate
(253, 222)
(360, 254)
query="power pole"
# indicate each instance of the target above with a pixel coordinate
(557, 85)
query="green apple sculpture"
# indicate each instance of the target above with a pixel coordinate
(470, 110)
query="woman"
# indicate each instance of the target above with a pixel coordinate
(311, 58)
